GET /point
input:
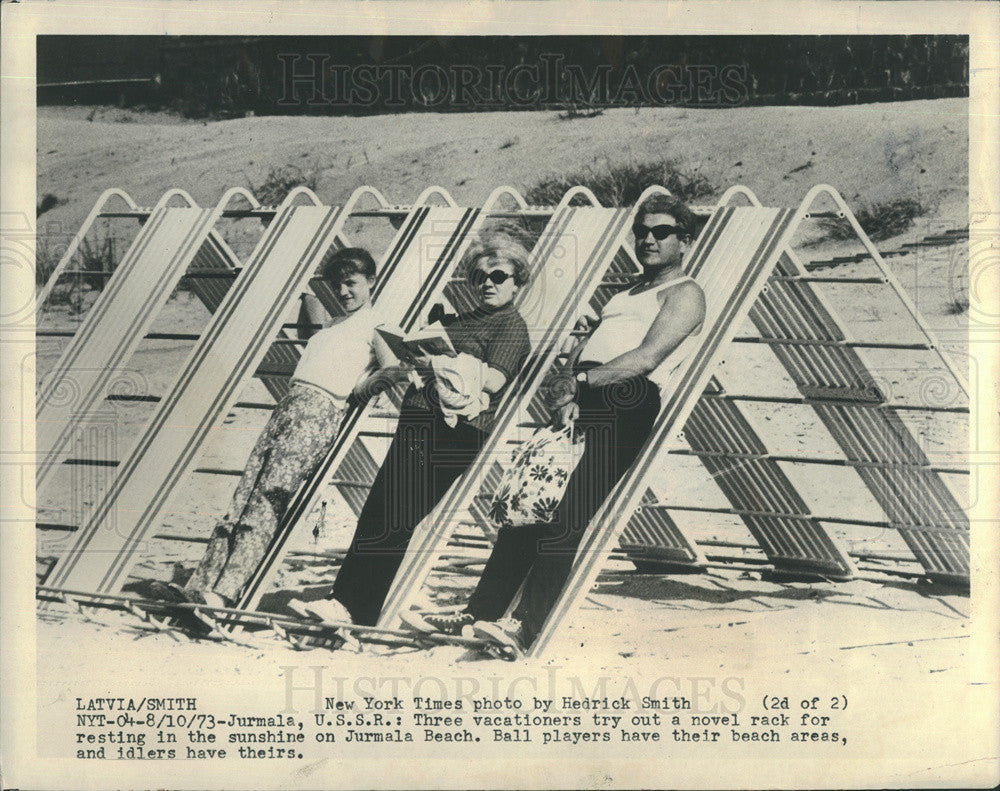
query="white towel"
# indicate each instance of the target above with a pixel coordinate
(459, 384)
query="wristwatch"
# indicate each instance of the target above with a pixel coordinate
(582, 377)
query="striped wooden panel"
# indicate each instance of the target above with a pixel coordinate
(567, 264)
(278, 365)
(480, 503)
(216, 255)
(893, 466)
(651, 535)
(114, 327)
(358, 466)
(325, 294)
(227, 353)
(752, 483)
(459, 296)
(735, 255)
(915, 499)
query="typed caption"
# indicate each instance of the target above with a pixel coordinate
(710, 714)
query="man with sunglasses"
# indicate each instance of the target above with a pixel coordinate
(643, 328)
(612, 392)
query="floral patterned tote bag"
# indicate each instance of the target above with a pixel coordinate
(533, 484)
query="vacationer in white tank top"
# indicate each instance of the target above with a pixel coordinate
(625, 320)
(338, 357)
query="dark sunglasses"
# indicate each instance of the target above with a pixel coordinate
(660, 232)
(478, 277)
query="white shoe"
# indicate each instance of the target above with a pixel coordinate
(331, 612)
(327, 610)
(213, 599)
(506, 632)
(437, 623)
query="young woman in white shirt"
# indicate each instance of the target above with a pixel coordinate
(345, 358)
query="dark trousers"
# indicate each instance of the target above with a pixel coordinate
(616, 420)
(424, 459)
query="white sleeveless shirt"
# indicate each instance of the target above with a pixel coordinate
(336, 358)
(625, 320)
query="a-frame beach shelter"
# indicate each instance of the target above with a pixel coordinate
(236, 341)
(832, 375)
(95, 363)
(167, 245)
(727, 441)
(568, 263)
(792, 318)
(824, 365)
(569, 253)
(229, 349)
(732, 243)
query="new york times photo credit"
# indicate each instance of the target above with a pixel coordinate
(523, 396)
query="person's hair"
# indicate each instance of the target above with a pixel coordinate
(498, 246)
(675, 207)
(346, 262)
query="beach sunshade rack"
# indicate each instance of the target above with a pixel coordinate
(744, 250)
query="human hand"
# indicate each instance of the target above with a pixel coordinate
(565, 414)
(560, 390)
(423, 360)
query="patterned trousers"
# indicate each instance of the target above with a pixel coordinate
(301, 430)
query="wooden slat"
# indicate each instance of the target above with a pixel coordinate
(216, 267)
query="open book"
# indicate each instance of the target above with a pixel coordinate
(432, 339)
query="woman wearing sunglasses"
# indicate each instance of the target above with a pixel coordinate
(613, 395)
(431, 448)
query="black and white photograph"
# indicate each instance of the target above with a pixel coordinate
(511, 395)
